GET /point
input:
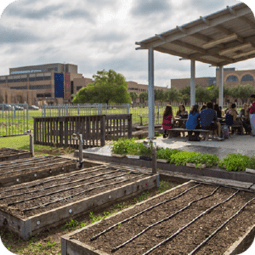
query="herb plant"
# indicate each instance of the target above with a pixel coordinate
(235, 162)
(166, 153)
(203, 158)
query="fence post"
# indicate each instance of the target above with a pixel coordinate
(59, 110)
(102, 124)
(78, 110)
(66, 109)
(100, 109)
(61, 132)
(31, 143)
(27, 115)
(44, 106)
(14, 114)
(127, 108)
(158, 113)
(130, 127)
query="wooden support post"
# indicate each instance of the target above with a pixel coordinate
(31, 143)
(102, 131)
(154, 160)
(66, 132)
(61, 133)
(80, 150)
(130, 127)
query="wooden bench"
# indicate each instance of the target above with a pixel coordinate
(203, 131)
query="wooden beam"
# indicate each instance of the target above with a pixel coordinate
(236, 48)
(231, 10)
(201, 37)
(224, 39)
(247, 21)
(207, 22)
(172, 52)
(244, 54)
(223, 30)
(182, 29)
(160, 37)
(189, 46)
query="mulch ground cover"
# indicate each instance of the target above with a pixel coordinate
(35, 197)
(183, 222)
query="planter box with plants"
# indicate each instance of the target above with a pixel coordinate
(233, 166)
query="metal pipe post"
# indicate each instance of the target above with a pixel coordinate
(221, 95)
(31, 143)
(151, 93)
(80, 151)
(193, 83)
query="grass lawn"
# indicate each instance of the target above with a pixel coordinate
(22, 143)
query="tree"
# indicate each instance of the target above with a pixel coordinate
(173, 95)
(133, 96)
(242, 91)
(108, 87)
(202, 94)
(160, 95)
(185, 94)
(143, 96)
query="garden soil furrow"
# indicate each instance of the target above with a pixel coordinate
(190, 237)
(110, 176)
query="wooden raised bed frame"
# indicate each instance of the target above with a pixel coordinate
(18, 155)
(54, 217)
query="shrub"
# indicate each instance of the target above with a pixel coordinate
(203, 158)
(180, 158)
(166, 153)
(251, 163)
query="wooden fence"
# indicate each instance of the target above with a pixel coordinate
(96, 129)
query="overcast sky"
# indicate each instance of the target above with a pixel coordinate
(101, 34)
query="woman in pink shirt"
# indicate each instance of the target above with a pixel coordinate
(167, 119)
(252, 115)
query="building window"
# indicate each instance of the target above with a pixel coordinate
(2, 81)
(23, 80)
(247, 77)
(40, 78)
(79, 87)
(19, 87)
(232, 78)
(40, 87)
(47, 94)
(39, 95)
(47, 78)
(72, 87)
(32, 79)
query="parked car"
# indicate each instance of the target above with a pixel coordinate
(33, 107)
(18, 108)
(6, 107)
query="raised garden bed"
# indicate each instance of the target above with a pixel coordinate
(193, 218)
(210, 172)
(31, 207)
(19, 171)
(12, 154)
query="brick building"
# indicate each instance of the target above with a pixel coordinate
(231, 77)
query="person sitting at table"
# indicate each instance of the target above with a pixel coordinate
(167, 119)
(252, 115)
(192, 122)
(208, 120)
(218, 111)
(231, 118)
(245, 115)
(181, 112)
(203, 107)
(229, 107)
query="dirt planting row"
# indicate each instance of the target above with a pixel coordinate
(35, 197)
(194, 218)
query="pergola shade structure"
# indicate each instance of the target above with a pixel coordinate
(219, 39)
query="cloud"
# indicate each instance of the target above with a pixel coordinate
(150, 7)
(30, 12)
(11, 35)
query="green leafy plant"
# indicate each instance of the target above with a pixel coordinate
(234, 162)
(181, 158)
(166, 153)
(203, 158)
(71, 224)
(163, 186)
(251, 163)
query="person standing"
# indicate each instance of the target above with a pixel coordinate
(192, 122)
(252, 115)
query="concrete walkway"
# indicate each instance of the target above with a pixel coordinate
(244, 144)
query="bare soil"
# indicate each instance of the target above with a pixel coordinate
(39, 196)
(14, 168)
(42, 243)
(188, 239)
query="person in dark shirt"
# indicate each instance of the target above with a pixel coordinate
(252, 115)
(192, 122)
(217, 109)
(208, 120)
(246, 118)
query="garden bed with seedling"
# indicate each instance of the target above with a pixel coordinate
(25, 170)
(232, 166)
(193, 218)
(30, 207)
(12, 154)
